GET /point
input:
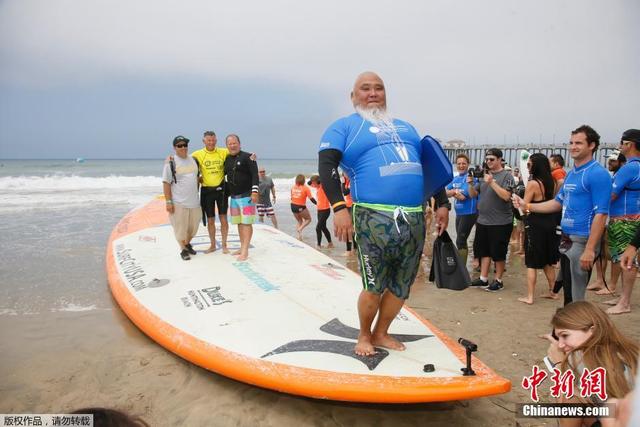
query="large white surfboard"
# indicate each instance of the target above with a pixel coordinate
(285, 319)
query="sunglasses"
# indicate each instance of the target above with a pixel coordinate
(491, 159)
(182, 145)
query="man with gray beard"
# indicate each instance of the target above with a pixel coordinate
(381, 155)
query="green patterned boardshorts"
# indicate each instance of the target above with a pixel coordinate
(389, 241)
(620, 233)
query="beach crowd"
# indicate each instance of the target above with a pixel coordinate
(565, 223)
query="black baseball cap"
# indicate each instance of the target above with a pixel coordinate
(631, 135)
(494, 152)
(178, 139)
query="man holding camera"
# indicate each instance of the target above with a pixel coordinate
(495, 218)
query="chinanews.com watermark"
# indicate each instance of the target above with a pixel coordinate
(591, 386)
(564, 410)
(44, 420)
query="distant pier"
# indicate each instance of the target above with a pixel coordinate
(511, 153)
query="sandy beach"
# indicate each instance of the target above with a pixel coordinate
(63, 360)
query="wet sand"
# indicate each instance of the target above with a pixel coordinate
(60, 361)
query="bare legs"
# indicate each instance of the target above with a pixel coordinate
(246, 232)
(531, 284)
(387, 307)
(624, 303)
(304, 219)
(224, 231)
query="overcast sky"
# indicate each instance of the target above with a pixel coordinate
(121, 78)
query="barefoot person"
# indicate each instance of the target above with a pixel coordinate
(211, 162)
(242, 180)
(540, 239)
(381, 155)
(625, 214)
(299, 195)
(180, 188)
(584, 201)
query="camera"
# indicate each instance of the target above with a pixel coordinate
(478, 171)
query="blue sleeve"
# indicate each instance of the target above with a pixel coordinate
(335, 137)
(625, 176)
(560, 196)
(600, 188)
(465, 190)
(450, 186)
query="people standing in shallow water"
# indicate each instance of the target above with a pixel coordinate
(382, 156)
(540, 239)
(299, 195)
(586, 338)
(324, 210)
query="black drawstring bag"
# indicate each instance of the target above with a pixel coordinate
(447, 269)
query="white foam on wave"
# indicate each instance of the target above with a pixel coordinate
(74, 182)
(63, 191)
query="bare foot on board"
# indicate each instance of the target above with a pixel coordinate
(387, 341)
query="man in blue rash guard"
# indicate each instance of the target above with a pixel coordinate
(624, 215)
(381, 156)
(584, 200)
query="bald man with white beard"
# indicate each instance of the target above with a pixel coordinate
(382, 157)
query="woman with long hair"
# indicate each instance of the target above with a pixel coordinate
(540, 241)
(299, 195)
(586, 338)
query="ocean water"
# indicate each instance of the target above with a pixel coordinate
(56, 217)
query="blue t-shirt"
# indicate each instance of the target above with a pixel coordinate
(382, 161)
(626, 185)
(586, 192)
(469, 205)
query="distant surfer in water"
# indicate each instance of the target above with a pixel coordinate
(382, 157)
(242, 179)
(180, 187)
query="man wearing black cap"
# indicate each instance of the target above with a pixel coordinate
(495, 219)
(624, 215)
(180, 187)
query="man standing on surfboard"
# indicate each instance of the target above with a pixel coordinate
(180, 188)
(242, 179)
(211, 162)
(382, 157)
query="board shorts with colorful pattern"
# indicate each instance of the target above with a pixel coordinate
(620, 232)
(242, 210)
(390, 240)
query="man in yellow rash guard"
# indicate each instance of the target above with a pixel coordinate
(213, 192)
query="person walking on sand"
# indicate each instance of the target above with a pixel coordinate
(324, 211)
(299, 195)
(584, 202)
(266, 188)
(625, 215)
(381, 155)
(180, 188)
(242, 179)
(540, 239)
